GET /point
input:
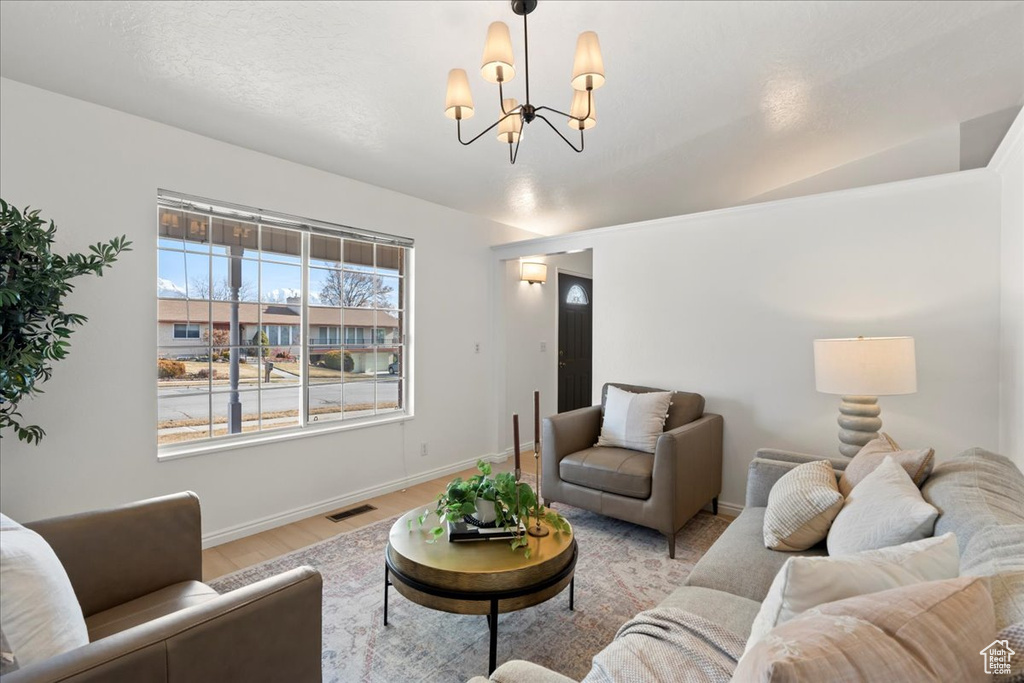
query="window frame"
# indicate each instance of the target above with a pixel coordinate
(308, 425)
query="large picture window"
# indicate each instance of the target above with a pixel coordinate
(272, 322)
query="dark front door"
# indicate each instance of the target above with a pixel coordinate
(575, 341)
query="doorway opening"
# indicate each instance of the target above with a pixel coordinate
(541, 332)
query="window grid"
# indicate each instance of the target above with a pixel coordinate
(377, 335)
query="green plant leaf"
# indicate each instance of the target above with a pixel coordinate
(34, 327)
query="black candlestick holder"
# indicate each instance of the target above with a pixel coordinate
(536, 529)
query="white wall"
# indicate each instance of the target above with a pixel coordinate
(95, 171)
(1008, 162)
(531, 317)
(727, 303)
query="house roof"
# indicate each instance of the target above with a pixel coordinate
(192, 310)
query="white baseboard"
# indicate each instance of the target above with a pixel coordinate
(505, 454)
(233, 533)
(730, 509)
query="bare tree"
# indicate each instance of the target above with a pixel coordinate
(354, 290)
(221, 290)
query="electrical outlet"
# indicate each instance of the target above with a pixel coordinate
(423, 449)
(477, 347)
(543, 346)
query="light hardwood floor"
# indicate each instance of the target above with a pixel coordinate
(245, 552)
(266, 545)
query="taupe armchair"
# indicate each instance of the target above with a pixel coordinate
(137, 573)
(660, 491)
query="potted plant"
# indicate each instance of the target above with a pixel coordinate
(35, 328)
(489, 502)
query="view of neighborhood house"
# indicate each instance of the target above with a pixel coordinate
(217, 275)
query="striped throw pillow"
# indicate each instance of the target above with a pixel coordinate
(801, 507)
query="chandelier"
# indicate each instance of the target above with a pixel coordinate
(497, 67)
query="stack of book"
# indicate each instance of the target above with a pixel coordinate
(459, 532)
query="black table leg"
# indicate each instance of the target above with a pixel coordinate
(572, 594)
(492, 621)
(386, 584)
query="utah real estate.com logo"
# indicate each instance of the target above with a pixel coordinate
(997, 657)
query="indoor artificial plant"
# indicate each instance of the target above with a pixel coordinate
(34, 327)
(462, 500)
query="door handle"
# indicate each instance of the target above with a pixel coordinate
(561, 365)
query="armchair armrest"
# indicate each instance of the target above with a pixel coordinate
(764, 472)
(270, 630)
(688, 464)
(570, 432)
(564, 434)
(117, 555)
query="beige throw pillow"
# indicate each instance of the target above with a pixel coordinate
(801, 507)
(39, 614)
(931, 631)
(885, 509)
(917, 463)
(634, 421)
(806, 582)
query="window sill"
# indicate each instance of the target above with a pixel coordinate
(166, 453)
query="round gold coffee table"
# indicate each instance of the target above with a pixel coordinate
(477, 577)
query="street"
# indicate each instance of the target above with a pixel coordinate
(185, 403)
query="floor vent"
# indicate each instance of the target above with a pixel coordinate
(345, 514)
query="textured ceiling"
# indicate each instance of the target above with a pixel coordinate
(706, 104)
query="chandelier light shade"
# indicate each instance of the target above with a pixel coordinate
(588, 66)
(510, 127)
(497, 66)
(458, 101)
(582, 113)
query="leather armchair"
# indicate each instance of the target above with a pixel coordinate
(137, 573)
(660, 491)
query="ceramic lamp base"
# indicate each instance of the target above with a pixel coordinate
(859, 423)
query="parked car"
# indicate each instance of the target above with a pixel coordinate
(393, 368)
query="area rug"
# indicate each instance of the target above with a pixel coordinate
(622, 569)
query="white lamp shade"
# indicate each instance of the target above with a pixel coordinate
(580, 108)
(533, 272)
(458, 101)
(588, 66)
(511, 127)
(496, 66)
(873, 366)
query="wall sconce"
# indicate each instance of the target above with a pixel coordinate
(533, 272)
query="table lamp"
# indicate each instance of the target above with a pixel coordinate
(860, 370)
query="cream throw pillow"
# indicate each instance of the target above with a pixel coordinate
(806, 582)
(801, 507)
(634, 421)
(918, 464)
(932, 631)
(39, 613)
(885, 509)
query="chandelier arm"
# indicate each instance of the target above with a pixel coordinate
(581, 119)
(458, 125)
(513, 156)
(539, 116)
(501, 102)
